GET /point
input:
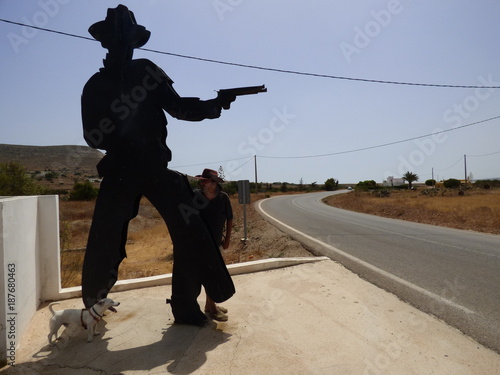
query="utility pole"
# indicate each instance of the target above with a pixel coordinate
(255, 166)
(465, 166)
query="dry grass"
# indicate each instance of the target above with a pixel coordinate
(149, 253)
(149, 248)
(477, 210)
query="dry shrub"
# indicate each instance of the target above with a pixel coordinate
(71, 268)
(76, 210)
(149, 248)
(149, 252)
(478, 210)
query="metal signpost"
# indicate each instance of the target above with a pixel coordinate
(244, 199)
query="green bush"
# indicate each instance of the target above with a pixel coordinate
(366, 185)
(51, 175)
(487, 184)
(15, 181)
(83, 191)
(230, 187)
(452, 183)
(331, 184)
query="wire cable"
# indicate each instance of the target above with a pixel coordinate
(241, 166)
(216, 162)
(478, 156)
(285, 71)
(206, 163)
(378, 146)
(451, 166)
(319, 74)
(49, 30)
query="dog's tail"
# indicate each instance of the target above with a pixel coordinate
(50, 307)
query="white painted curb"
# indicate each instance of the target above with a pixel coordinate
(234, 269)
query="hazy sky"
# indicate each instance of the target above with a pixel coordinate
(301, 116)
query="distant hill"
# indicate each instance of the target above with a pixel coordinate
(55, 166)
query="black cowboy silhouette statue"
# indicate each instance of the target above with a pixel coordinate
(123, 113)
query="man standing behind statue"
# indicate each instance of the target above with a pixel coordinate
(217, 212)
(123, 113)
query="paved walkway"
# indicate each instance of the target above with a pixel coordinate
(315, 318)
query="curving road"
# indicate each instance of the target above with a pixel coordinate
(450, 273)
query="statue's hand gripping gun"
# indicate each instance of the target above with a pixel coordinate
(227, 96)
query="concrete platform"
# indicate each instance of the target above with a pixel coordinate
(314, 318)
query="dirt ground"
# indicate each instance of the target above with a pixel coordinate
(149, 248)
(264, 240)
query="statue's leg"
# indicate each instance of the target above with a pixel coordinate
(117, 203)
(197, 258)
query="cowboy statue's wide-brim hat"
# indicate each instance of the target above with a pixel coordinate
(120, 29)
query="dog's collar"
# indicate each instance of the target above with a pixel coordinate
(90, 310)
(96, 318)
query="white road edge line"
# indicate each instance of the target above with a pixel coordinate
(368, 265)
(400, 234)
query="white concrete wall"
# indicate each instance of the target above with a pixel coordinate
(48, 248)
(29, 261)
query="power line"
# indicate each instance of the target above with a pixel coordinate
(355, 150)
(478, 156)
(49, 30)
(217, 162)
(317, 74)
(207, 163)
(285, 71)
(451, 166)
(241, 166)
(382, 145)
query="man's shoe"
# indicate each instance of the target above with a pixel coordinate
(222, 309)
(219, 316)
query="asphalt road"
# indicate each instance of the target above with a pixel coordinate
(452, 274)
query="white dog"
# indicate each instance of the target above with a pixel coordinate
(87, 318)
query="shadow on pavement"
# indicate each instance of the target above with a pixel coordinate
(181, 349)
